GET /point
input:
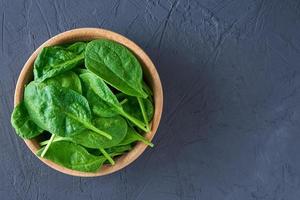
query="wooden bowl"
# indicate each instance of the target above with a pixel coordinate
(150, 75)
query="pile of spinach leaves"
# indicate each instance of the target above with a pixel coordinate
(88, 101)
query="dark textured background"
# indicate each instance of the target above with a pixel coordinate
(230, 72)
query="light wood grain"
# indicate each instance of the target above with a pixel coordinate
(150, 74)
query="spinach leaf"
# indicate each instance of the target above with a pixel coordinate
(61, 111)
(73, 156)
(115, 126)
(100, 107)
(113, 151)
(116, 65)
(102, 91)
(68, 80)
(132, 107)
(112, 155)
(55, 60)
(22, 123)
(99, 87)
(119, 149)
(77, 47)
(84, 87)
(147, 89)
(133, 136)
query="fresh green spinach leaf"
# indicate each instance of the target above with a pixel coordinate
(55, 60)
(119, 149)
(100, 107)
(133, 136)
(115, 126)
(73, 156)
(116, 65)
(68, 79)
(103, 91)
(115, 151)
(147, 89)
(22, 123)
(61, 111)
(77, 47)
(132, 107)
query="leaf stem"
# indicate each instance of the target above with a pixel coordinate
(57, 138)
(147, 142)
(90, 126)
(140, 100)
(137, 122)
(143, 139)
(107, 156)
(124, 101)
(93, 128)
(48, 145)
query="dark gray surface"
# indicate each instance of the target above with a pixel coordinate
(230, 72)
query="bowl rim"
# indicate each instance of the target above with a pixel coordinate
(147, 64)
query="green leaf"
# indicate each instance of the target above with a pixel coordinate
(116, 65)
(55, 60)
(132, 107)
(133, 136)
(119, 149)
(68, 80)
(22, 123)
(113, 151)
(77, 47)
(84, 87)
(61, 111)
(115, 126)
(100, 107)
(147, 89)
(73, 156)
(116, 151)
(99, 87)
